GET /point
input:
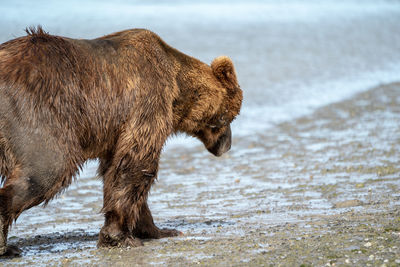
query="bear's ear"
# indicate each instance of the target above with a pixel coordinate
(224, 70)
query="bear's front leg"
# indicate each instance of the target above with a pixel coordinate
(134, 166)
(126, 185)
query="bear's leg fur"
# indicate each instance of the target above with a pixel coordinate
(145, 227)
(126, 185)
(5, 221)
(12, 195)
(21, 191)
(133, 169)
(16, 196)
(113, 234)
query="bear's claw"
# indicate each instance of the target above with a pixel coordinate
(169, 233)
(126, 241)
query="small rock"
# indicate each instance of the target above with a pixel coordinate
(367, 245)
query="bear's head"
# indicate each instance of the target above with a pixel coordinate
(217, 135)
(215, 101)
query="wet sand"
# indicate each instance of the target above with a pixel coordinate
(323, 189)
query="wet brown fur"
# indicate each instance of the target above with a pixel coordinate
(116, 98)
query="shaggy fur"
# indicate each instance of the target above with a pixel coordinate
(116, 98)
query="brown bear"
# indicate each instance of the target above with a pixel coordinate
(116, 99)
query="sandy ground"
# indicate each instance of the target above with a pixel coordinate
(321, 190)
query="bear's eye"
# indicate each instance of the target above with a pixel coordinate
(223, 121)
(218, 122)
(214, 128)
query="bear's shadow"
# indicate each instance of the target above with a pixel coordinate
(54, 242)
(58, 242)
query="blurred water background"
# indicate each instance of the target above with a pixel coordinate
(291, 56)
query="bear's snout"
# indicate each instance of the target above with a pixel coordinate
(223, 143)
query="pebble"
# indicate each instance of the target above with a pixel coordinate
(367, 245)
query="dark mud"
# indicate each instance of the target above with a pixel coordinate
(320, 190)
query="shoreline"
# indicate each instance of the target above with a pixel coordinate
(321, 189)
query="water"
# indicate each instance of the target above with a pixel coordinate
(292, 58)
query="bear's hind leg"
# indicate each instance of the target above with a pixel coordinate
(5, 250)
(7, 216)
(23, 190)
(4, 222)
(146, 229)
(7, 169)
